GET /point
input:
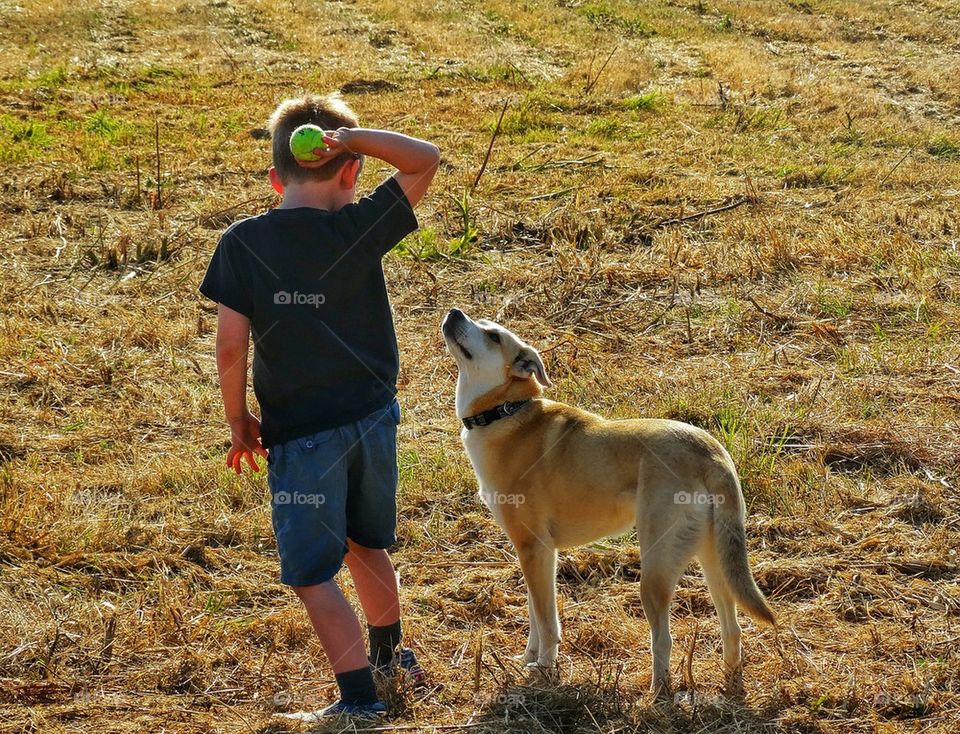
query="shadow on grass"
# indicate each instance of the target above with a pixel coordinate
(537, 707)
(575, 708)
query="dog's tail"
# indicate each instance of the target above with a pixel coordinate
(731, 544)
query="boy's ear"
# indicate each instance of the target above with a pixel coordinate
(275, 181)
(349, 173)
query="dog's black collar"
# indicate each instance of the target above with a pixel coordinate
(494, 414)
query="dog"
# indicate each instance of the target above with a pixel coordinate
(555, 476)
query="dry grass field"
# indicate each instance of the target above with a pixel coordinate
(739, 214)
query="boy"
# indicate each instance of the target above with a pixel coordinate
(306, 280)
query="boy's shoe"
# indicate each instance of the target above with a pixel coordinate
(406, 666)
(341, 708)
(356, 710)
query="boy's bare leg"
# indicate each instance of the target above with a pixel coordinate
(376, 583)
(336, 625)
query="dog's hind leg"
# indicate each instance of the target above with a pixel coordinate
(538, 562)
(657, 585)
(667, 544)
(725, 602)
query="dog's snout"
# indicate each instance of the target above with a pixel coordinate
(451, 320)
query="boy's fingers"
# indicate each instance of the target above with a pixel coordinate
(261, 451)
(251, 461)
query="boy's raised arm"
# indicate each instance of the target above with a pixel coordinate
(416, 160)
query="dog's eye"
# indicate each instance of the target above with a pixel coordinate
(494, 336)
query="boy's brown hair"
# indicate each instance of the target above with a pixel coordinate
(329, 112)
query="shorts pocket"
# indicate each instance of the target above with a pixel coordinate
(388, 416)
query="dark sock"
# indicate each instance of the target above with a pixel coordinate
(356, 686)
(383, 643)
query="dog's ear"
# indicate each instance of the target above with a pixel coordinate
(528, 363)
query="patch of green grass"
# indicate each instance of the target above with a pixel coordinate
(101, 124)
(944, 147)
(703, 71)
(646, 102)
(497, 72)
(836, 305)
(755, 457)
(523, 122)
(22, 139)
(795, 177)
(461, 244)
(426, 245)
(499, 25)
(725, 24)
(764, 118)
(603, 16)
(544, 100)
(232, 123)
(604, 128)
(53, 77)
(121, 81)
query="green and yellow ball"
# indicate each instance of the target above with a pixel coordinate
(305, 140)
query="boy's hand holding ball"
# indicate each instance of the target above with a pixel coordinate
(312, 147)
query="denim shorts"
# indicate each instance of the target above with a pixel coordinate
(336, 484)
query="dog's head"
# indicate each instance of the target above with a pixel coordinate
(494, 365)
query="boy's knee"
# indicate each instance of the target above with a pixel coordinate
(319, 593)
(355, 550)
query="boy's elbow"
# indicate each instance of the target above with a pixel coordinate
(230, 350)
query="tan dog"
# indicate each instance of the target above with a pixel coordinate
(555, 476)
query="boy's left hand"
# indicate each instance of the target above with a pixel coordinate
(336, 141)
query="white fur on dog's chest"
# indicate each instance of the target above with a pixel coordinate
(472, 444)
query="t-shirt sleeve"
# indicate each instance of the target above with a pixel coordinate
(381, 219)
(228, 279)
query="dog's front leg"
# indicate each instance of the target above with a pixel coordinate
(539, 565)
(532, 653)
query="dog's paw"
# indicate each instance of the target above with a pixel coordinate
(548, 673)
(733, 686)
(661, 689)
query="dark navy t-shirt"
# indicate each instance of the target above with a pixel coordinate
(311, 283)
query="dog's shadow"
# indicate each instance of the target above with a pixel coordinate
(537, 705)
